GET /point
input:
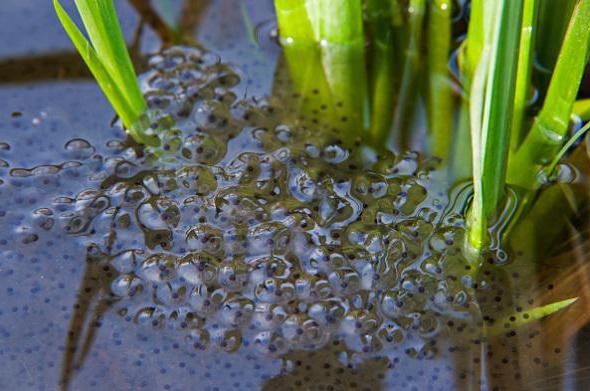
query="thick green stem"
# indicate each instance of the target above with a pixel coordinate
(342, 43)
(551, 125)
(324, 45)
(492, 104)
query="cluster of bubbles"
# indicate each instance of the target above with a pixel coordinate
(249, 226)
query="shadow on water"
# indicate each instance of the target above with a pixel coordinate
(324, 370)
(93, 301)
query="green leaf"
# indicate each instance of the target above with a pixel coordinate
(100, 73)
(111, 67)
(102, 25)
(519, 319)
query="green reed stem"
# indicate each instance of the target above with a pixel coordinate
(475, 38)
(324, 46)
(294, 23)
(551, 124)
(406, 100)
(492, 104)
(382, 68)
(469, 57)
(342, 42)
(525, 68)
(440, 103)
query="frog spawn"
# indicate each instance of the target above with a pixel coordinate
(245, 231)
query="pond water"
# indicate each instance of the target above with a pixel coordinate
(256, 249)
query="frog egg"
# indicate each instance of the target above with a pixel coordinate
(360, 322)
(345, 281)
(198, 269)
(236, 311)
(125, 261)
(328, 313)
(268, 316)
(233, 276)
(198, 339)
(170, 294)
(198, 179)
(303, 332)
(206, 301)
(228, 339)
(270, 342)
(158, 268)
(126, 285)
(204, 238)
(390, 333)
(203, 149)
(365, 343)
(153, 316)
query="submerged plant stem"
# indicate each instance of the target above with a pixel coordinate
(440, 103)
(406, 100)
(382, 69)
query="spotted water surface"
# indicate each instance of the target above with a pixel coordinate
(256, 248)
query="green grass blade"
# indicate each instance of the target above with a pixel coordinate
(520, 319)
(524, 72)
(494, 87)
(553, 22)
(475, 34)
(113, 90)
(100, 73)
(102, 25)
(551, 125)
(440, 104)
